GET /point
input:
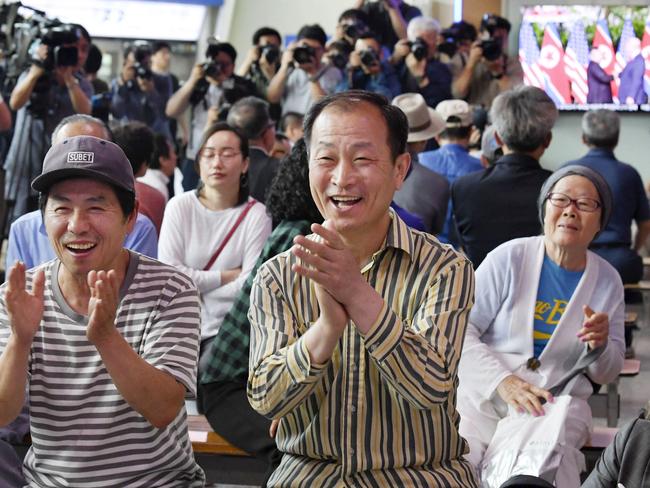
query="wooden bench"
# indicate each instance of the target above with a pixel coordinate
(608, 404)
(204, 440)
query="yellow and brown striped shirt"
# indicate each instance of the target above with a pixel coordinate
(382, 411)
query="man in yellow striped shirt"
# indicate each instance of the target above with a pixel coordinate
(357, 329)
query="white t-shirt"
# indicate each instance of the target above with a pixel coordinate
(297, 92)
(189, 236)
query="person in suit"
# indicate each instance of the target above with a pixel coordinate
(251, 116)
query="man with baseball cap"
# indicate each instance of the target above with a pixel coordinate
(452, 159)
(424, 192)
(105, 339)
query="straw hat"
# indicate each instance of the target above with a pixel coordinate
(424, 122)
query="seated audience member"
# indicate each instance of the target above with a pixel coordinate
(210, 90)
(367, 69)
(491, 149)
(417, 65)
(302, 78)
(498, 204)
(161, 167)
(346, 361)
(262, 62)
(251, 116)
(489, 70)
(215, 234)
(281, 147)
(626, 461)
(223, 382)
(136, 140)
(94, 314)
(388, 18)
(533, 297)
(424, 192)
(140, 95)
(600, 132)
(291, 126)
(28, 242)
(452, 159)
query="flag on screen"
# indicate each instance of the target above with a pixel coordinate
(626, 34)
(576, 60)
(645, 51)
(529, 57)
(551, 61)
(603, 42)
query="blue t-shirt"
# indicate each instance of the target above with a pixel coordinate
(556, 285)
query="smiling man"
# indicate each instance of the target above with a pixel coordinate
(356, 332)
(105, 339)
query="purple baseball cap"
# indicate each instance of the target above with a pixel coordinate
(85, 157)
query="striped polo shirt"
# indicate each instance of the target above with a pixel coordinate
(382, 411)
(84, 433)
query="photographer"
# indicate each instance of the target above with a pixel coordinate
(388, 18)
(210, 91)
(302, 78)
(52, 88)
(417, 65)
(351, 24)
(456, 45)
(368, 71)
(489, 70)
(138, 93)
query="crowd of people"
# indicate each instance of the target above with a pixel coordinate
(351, 256)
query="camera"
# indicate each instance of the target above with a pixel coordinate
(491, 49)
(419, 48)
(339, 53)
(270, 52)
(58, 54)
(212, 69)
(369, 57)
(304, 54)
(142, 71)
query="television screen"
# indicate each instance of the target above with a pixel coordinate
(588, 57)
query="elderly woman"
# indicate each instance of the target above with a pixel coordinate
(540, 301)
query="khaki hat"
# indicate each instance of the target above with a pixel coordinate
(455, 108)
(85, 157)
(424, 122)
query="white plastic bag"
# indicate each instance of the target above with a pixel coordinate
(524, 444)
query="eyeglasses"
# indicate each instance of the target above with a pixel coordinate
(225, 155)
(583, 204)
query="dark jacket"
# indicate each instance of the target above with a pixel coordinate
(261, 170)
(600, 89)
(497, 204)
(626, 460)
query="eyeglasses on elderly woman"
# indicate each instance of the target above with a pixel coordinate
(584, 204)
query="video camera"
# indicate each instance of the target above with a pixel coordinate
(60, 53)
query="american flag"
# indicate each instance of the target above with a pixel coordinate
(645, 50)
(551, 61)
(626, 34)
(576, 60)
(529, 56)
(603, 42)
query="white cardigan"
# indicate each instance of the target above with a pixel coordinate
(499, 338)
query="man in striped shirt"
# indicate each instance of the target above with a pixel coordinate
(356, 332)
(105, 339)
